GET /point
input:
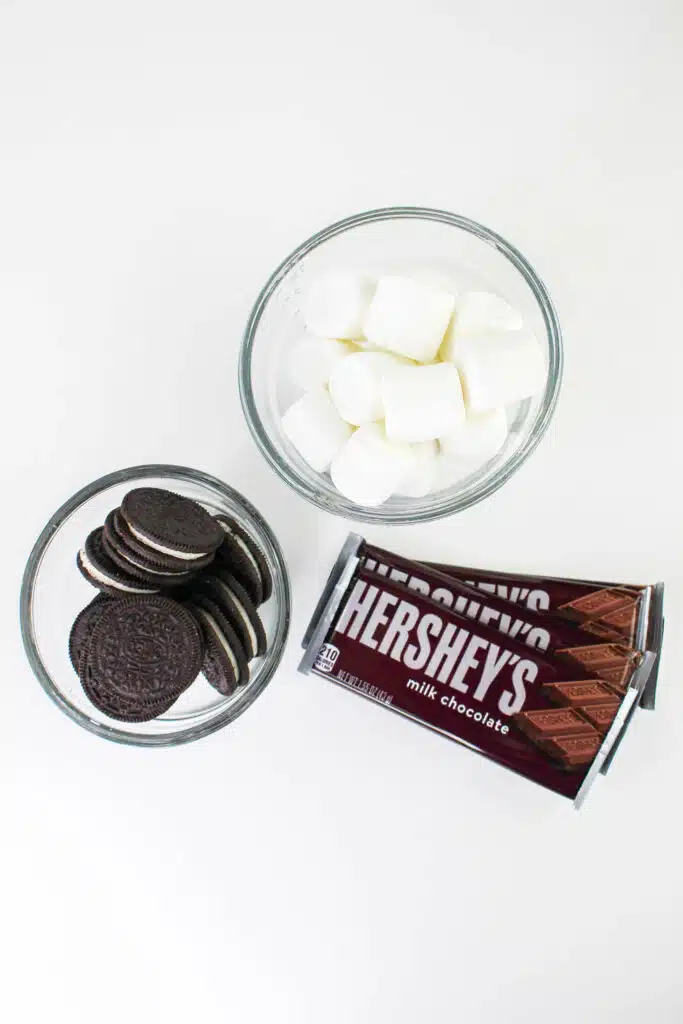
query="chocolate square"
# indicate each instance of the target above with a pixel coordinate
(598, 655)
(579, 694)
(541, 725)
(574, 751)
(601, 716)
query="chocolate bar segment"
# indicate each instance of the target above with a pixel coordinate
(598, 656)
(615, 678)
(601, 630)
(542, 725)
(597, 604)
(621, 619)
(574, 751)
(600, 716)
(580, 694)
(612, 662)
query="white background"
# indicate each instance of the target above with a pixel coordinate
(322, 860)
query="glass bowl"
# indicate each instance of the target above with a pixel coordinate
(394, 240)
(53, 592)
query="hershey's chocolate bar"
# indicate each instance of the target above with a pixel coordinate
(451, 673)
(613, 611)
(555, 637)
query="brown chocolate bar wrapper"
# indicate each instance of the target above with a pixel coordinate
(610, 610)
(555, 637)
(451, 673)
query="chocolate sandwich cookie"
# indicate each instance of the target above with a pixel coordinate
(122, 709)
(117, 530)
(81, 631)
(171, 524)
(144, 650)
(241, 555)
(147, 569)
(225, 664)
(238, 608)
(107, 573)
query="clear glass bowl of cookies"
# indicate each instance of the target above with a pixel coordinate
(432, 245)
(55, 591)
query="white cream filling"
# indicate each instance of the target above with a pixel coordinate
(218, 633)
(139, 565)
(160, 547)
(245, 547)
(253, 639)
(110, 581)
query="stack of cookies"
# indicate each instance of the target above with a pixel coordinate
(179, 593)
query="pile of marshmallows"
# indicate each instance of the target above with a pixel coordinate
(405, 385)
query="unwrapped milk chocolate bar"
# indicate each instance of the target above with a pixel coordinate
(461, 673)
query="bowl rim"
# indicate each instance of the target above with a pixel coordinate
(398, 515)
(281, 588)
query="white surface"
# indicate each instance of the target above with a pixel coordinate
(323, 860)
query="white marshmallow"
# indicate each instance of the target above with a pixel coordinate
(435, 279)
(477, 313)
(499, 368)
(312, 359)
(408, 317)
(449, 471)
(484, 311)
(369, 468)
(336, 304)
(315, 428)
(422, 475)
(355, 386)
(478, 437)
(422, 402)
(447, 348)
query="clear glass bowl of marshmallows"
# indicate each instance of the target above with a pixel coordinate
(400, 365)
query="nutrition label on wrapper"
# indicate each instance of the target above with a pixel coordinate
(326, 661)
(363, 687)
